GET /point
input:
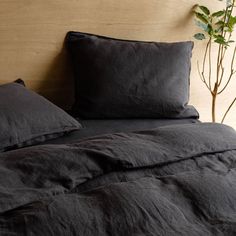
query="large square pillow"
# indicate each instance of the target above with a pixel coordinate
(130, 79)
(27, 118)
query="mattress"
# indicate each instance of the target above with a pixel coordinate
(98, 127)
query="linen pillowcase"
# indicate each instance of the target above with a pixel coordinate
(27, 118)
(130, 79)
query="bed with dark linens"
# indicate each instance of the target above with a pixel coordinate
(135, 160)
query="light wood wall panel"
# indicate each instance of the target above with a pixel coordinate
(32, 34)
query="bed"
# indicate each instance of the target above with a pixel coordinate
(133, 160)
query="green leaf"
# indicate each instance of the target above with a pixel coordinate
(199, 36)
(220, 39)
(206, 27)
(220, 23)
(205, 10)
(220, 42)
(209, 29)
(201, 25)
(231, 23)
(202, 17)
(218, 14)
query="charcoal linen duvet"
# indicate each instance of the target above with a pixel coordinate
(173, 180)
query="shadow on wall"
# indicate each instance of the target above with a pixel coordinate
(57, 84)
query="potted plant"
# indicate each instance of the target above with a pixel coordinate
(217, 28)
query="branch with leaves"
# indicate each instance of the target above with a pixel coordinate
(217, 28)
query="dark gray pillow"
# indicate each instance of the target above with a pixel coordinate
(27, 118)
(130, 79)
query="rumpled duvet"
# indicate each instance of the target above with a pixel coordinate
(173, 180)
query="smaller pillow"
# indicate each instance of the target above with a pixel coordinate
(27, 118)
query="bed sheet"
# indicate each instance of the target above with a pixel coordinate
(99, 127)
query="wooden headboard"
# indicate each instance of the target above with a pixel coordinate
(32, 34)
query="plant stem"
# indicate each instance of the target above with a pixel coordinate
(232, 72)
(228, 110)
(213, 108)
(209, 78)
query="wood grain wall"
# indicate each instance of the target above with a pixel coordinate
(32, 34)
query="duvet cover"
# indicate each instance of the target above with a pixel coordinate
(173, 180)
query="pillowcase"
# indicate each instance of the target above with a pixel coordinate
(20, 81)
(27, 118)
(130, 79)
